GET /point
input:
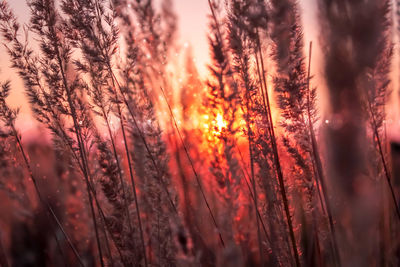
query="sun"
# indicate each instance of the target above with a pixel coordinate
(214, 126)
(220, 123)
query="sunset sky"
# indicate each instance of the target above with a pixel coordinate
(193, 24)
(193, 30)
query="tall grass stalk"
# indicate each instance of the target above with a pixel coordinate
(239, 43)
(193, 168)
(318, 164)
(50, 19)
(8, 116)
(382, 158)
(98, 37)
(278, 167)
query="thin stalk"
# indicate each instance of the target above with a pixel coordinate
(130, 168)
(215, 19)
(103, 217)
(134, 192)
(66, 140)
(315, 250)
(245, 173)
(98, 17)
(193, 168)
(95, 225)
(253, 181)
(277, 160)
(101, 212)
(255, 199)
(30, 62)
(184, 180)
(115, 153)
(262, 91)
(80, 144)
(41, 199)
(73, 152)
(119, 110)
(381, 153)
(103, 227)
(143, 138)
(321, 201)
(119, 171)
(318, 163)
(264, 102)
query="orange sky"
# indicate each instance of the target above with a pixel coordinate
(193, 24)
(193, 27)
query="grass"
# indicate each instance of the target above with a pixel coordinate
(139, 175)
